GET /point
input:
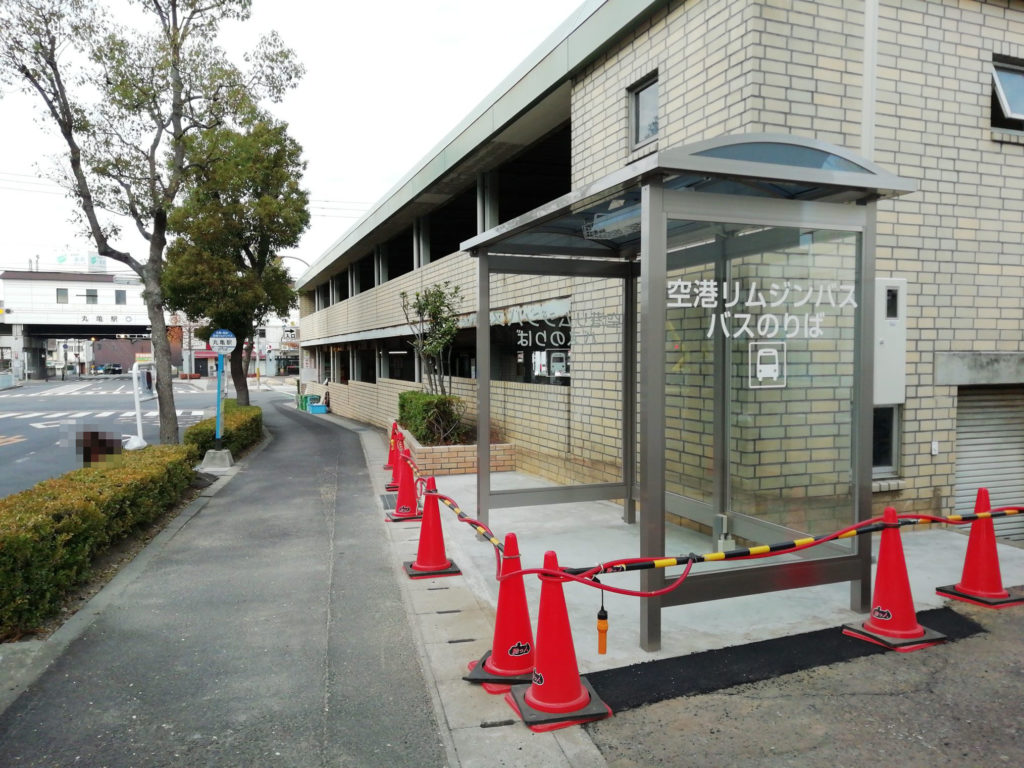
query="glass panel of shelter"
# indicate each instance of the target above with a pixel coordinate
(556, 376)
(774, 309)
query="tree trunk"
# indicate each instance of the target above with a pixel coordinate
(161, 346)
(238, 376)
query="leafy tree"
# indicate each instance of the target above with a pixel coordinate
(242, 207)
(126, 103)
(433, 315)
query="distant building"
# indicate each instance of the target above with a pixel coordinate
(55, 319)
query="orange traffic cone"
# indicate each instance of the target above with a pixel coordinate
(558, 696)
(396, 462)
(982, 582)
(405, 506)
(392, 446)
(893, 622)
(431, 559)
(510, 659)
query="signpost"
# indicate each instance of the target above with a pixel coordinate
(223, 343)
(143, 381)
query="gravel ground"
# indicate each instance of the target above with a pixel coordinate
(958, 704)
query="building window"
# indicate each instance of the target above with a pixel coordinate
(120, 297)
(366, 365)
(91, 296)
(62, 295)
(643, 112)
(885, 447)
(1008, 94)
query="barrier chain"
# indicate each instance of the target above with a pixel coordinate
(588, 576)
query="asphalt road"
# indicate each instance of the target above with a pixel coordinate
(39, 422)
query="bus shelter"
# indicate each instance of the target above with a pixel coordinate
(732, 282)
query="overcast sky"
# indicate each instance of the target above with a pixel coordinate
(385, 82)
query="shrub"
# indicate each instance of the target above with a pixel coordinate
(432, 419)
(241, 428)
(49, 534)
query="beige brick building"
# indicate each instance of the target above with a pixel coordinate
(930, 91)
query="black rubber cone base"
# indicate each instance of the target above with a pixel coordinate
(901, 644)
(391, 487)
(1016, 597)
(394, 517)
(478, 673)
(412, 573)
(541, 722)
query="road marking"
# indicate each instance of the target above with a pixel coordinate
(79, 415)
(104, 414)
(8, 415)
(11, 440)
(66, 389)
(30, 415)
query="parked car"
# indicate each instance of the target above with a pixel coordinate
(113, 368)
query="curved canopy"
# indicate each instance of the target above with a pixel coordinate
(603, 219)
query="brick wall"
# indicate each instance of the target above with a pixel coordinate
(441, 460)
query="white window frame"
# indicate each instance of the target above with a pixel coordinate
(997, 84)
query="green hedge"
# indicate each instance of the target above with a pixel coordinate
(432, 419)
(49, 534)
(241, 428)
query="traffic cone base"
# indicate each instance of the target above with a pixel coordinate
(398, 517)
(903, 645)
(1012, 598)
(416, 573)
(493, 681)
(541, 722)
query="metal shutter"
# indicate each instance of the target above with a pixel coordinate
(990, 452)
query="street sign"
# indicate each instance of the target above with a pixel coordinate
(223, 342)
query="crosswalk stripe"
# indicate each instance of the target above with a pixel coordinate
(94, 414)
(11, 440)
